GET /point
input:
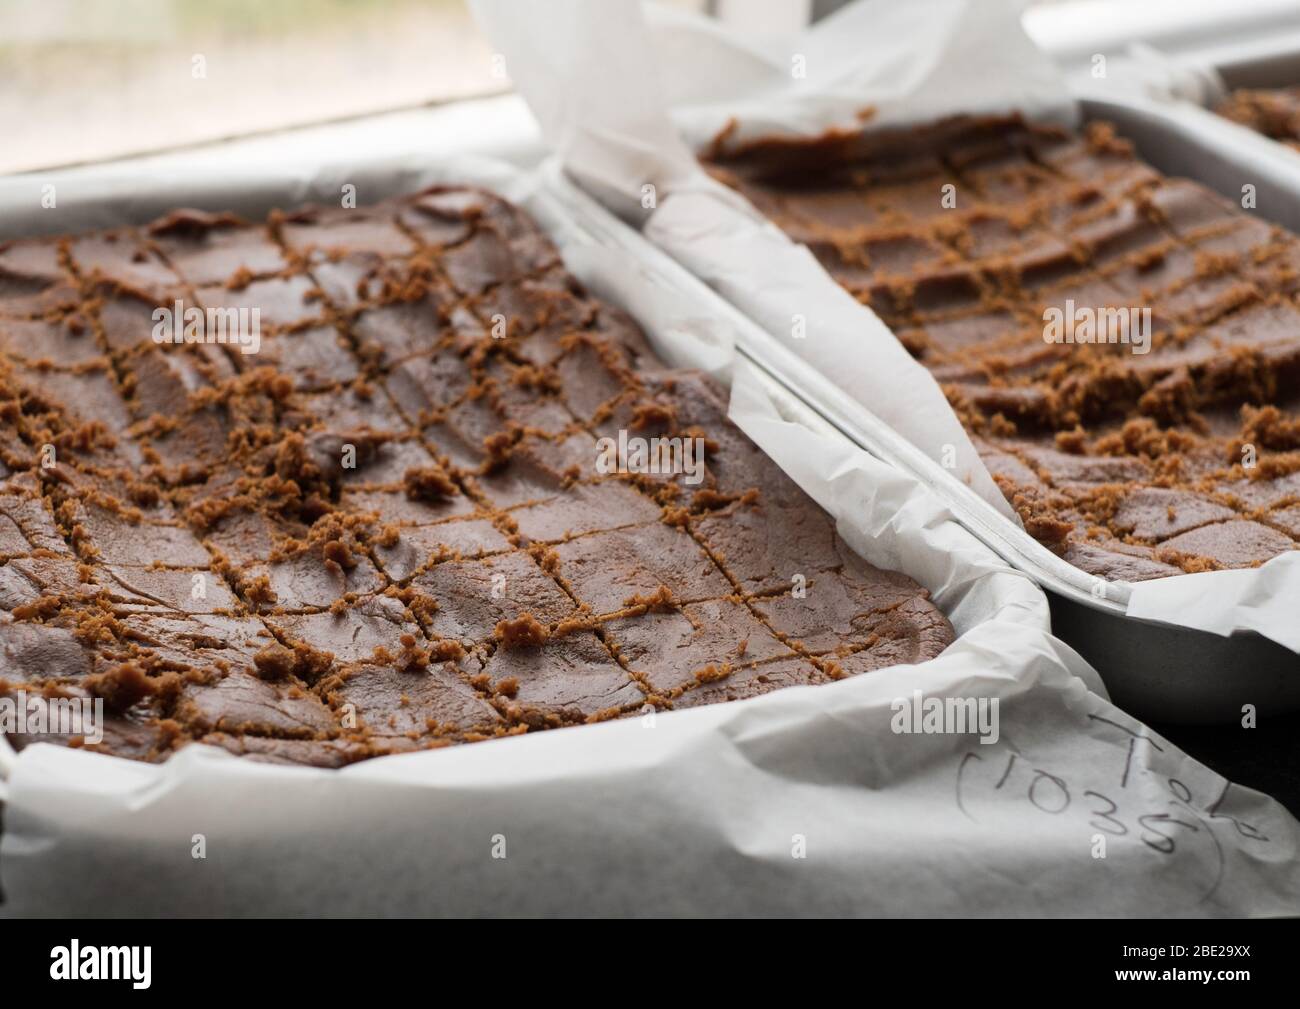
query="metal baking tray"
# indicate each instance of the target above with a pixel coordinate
(116, 199)
(1156, 671)
(121, 200)
(1261, 63)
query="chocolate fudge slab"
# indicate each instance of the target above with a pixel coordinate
(1274, 112)
(390, 524)
(969, 236)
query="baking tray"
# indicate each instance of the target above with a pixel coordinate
(1157, 671)
(1259, 63)
(1182, 139)
(985, 594)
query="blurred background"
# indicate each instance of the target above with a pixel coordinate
(84, 80)
(87, 80)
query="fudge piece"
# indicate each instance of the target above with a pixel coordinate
(443, 496)
(1121, 347)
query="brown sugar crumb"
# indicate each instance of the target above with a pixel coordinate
(661, 600)
(652, 414)
(1275, 467)
(676, 515)
(1041, 521)
(713, 672)
(535, 379)
(422, 605)
(833, 669)
(1190, 564)
(170, 734)
(447, 650)
(276, 662)
(708, 499)
(1269, 427)
(40, 609)
(339, 553)
(547, 558)
(411, 657)
(523, 631)
(1002, 426)
(428, 483)
(1074, 442)
(573, 625)
(499, 446)
(121, 687)
(258, 590)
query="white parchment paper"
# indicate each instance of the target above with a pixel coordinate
(611, 130)
(801, 802)
(689, 77)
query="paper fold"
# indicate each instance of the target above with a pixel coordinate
(613, 135)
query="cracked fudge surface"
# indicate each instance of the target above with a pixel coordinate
(1130, 466)
(1274, 112)
(387, 529)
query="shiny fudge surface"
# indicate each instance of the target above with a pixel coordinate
(1129, 465)
(387, 530)
(1274, 112)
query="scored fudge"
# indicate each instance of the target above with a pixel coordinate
(1274, 112)
(1123, 349)
(383, 513)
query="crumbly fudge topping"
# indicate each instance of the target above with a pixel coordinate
(388, 527)
(1274, 112)
(970, 238)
